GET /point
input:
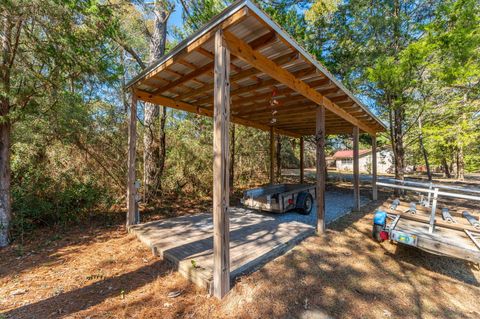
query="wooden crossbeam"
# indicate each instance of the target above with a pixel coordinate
(198, 71)
(179, 105)
(287, 92)
(259, 108)
(340, 98)
(242, 50)
(257, 86)
(187, 77)
(304, 110)
(300, 126)
(284, 59)
(234, 19)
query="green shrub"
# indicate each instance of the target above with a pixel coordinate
(40, 200)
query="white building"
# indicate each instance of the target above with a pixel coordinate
(344, 161)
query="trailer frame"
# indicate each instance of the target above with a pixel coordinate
(276, 198)
(440, 237)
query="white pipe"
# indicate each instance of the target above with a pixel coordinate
(440, 186)
(430, 191)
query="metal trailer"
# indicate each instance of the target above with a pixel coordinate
(280, 198)
(425, 226)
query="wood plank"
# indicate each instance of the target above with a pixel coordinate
(302, 160)
(426, 219)
(132, 152)
(257, 60)
(261, 85)
(221, 230)
(234, 19)
(443, 241)
(255, 239)
(287, 58)
(320, 147)
(185, 78)
(179, 105)
(198, 71)
(374, 168)
(356, 168)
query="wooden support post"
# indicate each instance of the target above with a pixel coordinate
(132, 215)
(272, 155)
(374, 167)
(232, 157)
(356, 177)
(302, 159)
(221, 118)
(320, 145)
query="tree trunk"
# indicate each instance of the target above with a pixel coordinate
(446, 169)
(452, 165)
(154, 148)
(422, 148)
(151, 151)
(5, 202)
(460, 163)
(5, 134)
(398, 137)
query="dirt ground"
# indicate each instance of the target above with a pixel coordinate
(99, 271)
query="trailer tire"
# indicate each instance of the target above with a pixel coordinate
(304, 203)
(376, 232)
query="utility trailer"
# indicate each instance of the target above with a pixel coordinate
(280, 198)
(423, 225)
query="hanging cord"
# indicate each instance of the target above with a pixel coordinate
(273, 104)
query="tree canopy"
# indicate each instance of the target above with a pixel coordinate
(64, 64)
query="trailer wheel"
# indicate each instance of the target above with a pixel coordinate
(304, 203)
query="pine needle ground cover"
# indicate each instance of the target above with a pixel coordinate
(100, 272)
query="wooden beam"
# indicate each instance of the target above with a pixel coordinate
(234, 19)
(262, 84)
(287, 92)
(185, 78)
(132, 152)
(320, 148)
(356, 167)
(239, 76)
(179, 105)
(266, 107)
(221, 230)
(374, 167)
(257, 43)
(245, 52)
(302, 160)
(272, 154)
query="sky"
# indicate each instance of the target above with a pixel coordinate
(175, 18)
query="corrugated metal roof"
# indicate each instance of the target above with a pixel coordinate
(177, 76)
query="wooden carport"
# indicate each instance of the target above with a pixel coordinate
(242, 67)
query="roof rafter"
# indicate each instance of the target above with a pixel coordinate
(165, 101)
(242, 50)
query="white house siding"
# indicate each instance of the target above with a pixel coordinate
(384, 162)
